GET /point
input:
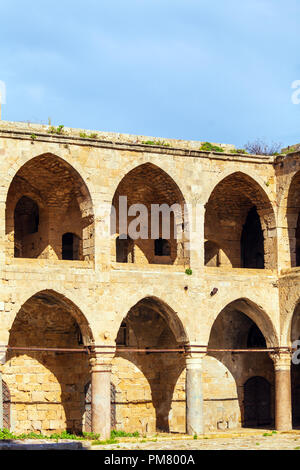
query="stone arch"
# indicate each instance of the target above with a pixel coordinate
(147, 184)
(155, 377)
(51, 385)
(292, 213)
(169, 316)
(292, 333)
(291, 325)
(231, 330)
(226, 213)
(64, 202)
(53, 297)
(258, 316)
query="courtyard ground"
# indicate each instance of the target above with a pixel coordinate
(231, 440)
(245, 440)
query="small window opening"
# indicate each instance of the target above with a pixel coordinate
(162, 247)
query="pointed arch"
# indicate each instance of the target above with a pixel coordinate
(292, 212)
(167, 313)
(151, 324)
(258, 316)
(46, 346)
(51, 298)
(228, 208)
(149, 185)
(243, 325)
(64, 203)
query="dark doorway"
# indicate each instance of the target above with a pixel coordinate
(252, 242)
(255, 338)
(162, 247)
(70, 246)
(26, 223)
(257, 402)
(124, 249)
(295, 380)
(298, 242)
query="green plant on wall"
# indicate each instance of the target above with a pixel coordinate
(56, 130)
(156, 142)
(208, 147)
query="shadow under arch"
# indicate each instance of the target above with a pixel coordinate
(151, 324)
(238, 202)
(51, 384)
(244, 325)
(148, 184)
(258, 315)
(64, 205)
(214, 256)
(293, 334)
(293, 219)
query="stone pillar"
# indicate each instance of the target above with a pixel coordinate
(269, 229)
(194, 396)
(283, 401)
(195, 215)
(101, 399)
(2, 362)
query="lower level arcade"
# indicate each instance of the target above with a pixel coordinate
(54, 378)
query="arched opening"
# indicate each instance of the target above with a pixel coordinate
(252, 241)
(124, 250)
(150, 386)
(298, 241)
(26, 220)
(48, 199)
(238, 378)
(257, 402)
(148, 206)
(50, 384)
(295, 370)
(293, 220)
(70, 246)
(6, 400)
(240, 219)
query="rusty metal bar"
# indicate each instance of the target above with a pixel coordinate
(90, 349)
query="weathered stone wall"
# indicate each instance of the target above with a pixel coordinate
(74, 181)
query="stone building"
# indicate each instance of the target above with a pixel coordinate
(100, 330)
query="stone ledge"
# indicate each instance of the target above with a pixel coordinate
(43, 445)
(185, 148)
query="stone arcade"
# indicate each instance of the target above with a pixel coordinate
(83, 302)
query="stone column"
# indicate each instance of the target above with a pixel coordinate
(195, 234)
(194, 396)
(2, 362)
(283, 401)
(269, 229)
(101, 400)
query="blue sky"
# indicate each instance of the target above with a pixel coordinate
(208, 70)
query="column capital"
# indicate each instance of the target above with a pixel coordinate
(3, 353)
(194, 362)
(99, 364)
(195, 353)
(281, 359)
(101, 358)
